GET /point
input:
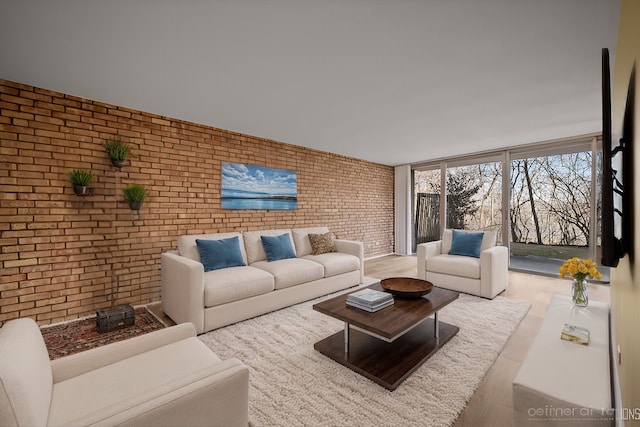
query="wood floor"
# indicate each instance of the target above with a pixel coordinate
(492, 404)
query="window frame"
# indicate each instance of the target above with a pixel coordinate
(589, 142)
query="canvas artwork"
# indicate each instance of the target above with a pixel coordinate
(246, 186)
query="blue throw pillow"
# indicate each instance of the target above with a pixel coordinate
(217, 254)
(278, 247)
(466, 243)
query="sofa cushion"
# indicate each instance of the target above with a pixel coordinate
(278, 247)
(292, 271)
(26, 381)
(235, 283)
(77, 401)
(488, 241)
(336, 263)
(188, 248)
(301, 239)
(220, 253)
(466, 243)
(454, 265)
(321, 243)
(253, 243)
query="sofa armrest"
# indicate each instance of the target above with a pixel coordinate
(80, 363)
(424, 251)
(182, 289)
(213, 396)
(354, 248)
(494, 267)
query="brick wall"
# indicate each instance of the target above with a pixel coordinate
(63, 256)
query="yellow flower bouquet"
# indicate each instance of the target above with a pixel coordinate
(580, 269)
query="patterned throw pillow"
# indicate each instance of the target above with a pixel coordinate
(321, 243)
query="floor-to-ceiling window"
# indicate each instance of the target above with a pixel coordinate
(474, 197)
(550, 206)
(471, 199)
(541, 199)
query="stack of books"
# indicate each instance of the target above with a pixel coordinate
(370, 299)
(575, 334)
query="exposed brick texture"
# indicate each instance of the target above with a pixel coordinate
(63, 256)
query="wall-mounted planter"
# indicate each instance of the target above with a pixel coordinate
(135, 194)
(80, 180)
(80, 190)
(118, 163)
(118, 152)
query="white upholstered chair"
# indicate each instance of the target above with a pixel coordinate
(485, 276)
(167, 377)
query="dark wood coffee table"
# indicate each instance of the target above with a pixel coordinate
(388, 345)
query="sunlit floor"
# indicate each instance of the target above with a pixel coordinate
(546, 266)
(492, 403)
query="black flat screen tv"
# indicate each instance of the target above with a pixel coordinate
(617, 174)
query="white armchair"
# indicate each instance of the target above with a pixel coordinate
(163, 378)
(485, 276)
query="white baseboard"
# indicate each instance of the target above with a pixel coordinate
(384, 255)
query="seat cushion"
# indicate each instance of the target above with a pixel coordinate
(235, 283)
(292, 271)
(25, 375)
(455, 265)
(336, 263)
(103, 392)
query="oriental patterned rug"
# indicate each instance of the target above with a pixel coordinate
(79, 335)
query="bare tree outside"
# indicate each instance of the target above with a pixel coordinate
(549, 208)
(551, 201)
(490, 212)
(474, 200)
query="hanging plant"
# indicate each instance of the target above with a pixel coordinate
(135, 194)
(118, 151)
(80, 180)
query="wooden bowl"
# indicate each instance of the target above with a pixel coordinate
(406, 287)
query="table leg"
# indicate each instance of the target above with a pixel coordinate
(346, 337)
(436, 326)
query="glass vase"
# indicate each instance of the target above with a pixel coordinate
(580, 293)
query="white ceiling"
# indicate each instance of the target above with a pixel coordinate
(391, 81)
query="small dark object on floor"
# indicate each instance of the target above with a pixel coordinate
(79, 335)
(119, 317)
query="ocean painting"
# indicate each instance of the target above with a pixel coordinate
(246, 186)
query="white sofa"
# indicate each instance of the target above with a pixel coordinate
(224, 296)
(485, 276)
(168, 377)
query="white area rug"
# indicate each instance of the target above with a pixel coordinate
(294, 385)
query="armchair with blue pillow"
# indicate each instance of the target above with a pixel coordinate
(465, 261)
